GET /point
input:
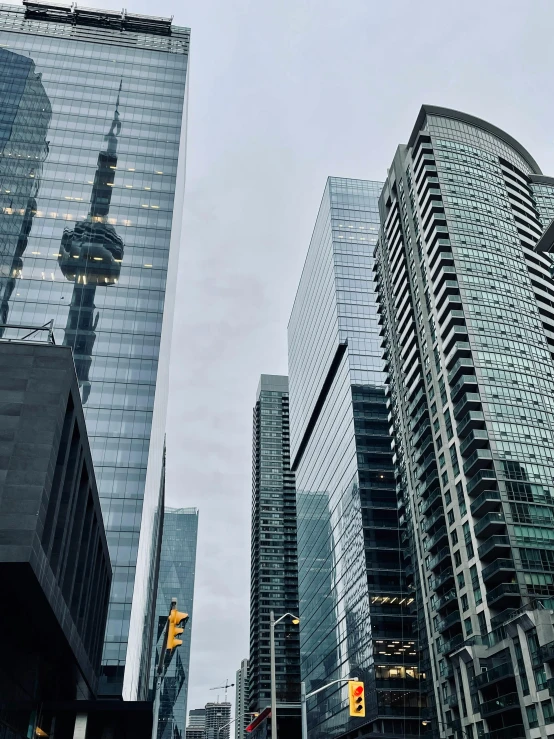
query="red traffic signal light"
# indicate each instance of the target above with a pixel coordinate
(356, 698)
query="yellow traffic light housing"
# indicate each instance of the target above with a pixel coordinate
(356, 698)
(175, 618)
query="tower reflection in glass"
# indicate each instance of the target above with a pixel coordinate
(91, 255)
(100, 255)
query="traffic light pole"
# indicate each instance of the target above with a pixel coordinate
(304, 696)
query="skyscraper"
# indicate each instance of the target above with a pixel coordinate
(175, 580)
(242, 717)
(354, 602)
(218, 716)
(465, 303)
(274, 583)
(92, 229)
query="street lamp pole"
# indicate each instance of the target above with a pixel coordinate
(272, 624)
(304, 697)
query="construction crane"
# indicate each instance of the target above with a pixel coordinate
(225, 687)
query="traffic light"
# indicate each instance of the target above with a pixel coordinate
(175, 618)
(356, 698)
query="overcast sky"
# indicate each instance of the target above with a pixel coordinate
(284, 93)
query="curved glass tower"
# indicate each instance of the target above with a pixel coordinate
(466, 314)
(91, 188)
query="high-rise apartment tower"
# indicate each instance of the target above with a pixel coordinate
(242, 717)
(175, 580)
(90, 214)
(218, 716)
(274, 575)
(355, 607)
(466, 304)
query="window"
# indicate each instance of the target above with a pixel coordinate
(450, 517)
(457, 558)
(469, 550)
(540, 680)
(442, 460)
(454, 537)
(465, 602)
(461, 580)
(468, 626)
(447, 497)
(436, 425)
(444, 479)
(547, 711)
(482, 619)
(532, 715)
(454, 460)
(448, 425)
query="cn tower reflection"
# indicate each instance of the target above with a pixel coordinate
(90, 256)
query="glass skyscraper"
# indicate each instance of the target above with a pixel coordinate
(467, 314)
(92, 137)
(355, 606)
(175, 580)
(274, 575)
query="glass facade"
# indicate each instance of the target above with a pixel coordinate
(355, 608)
(175, 580)
(91, 166)
(465, 313)
(274, 573)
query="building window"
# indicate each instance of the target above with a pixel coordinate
(468, 626)
(457, 558)
(547, 711)
(465, 602)
(532, 715)
(540, 679)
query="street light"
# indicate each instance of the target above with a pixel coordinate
(246, 713)
(272, 624)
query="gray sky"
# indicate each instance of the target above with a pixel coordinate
(284, 93)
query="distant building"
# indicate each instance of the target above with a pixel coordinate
(242, 717)
(176, 580)
(194, 733)
(217, 716)
(197, 718)
(274, 569)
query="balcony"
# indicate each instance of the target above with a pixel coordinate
(436, 539)
(472, 420)
(461, 366)
(468, 402)
(504, 595)
(454, 619)
(444, 578)
(438, 516)
(476, 439)
(416, 401)
(547, 652)
(457, 333)
(431, 501)
(451, 644)
(499, 571)
(502, 703)
(494, 547)
(423, 432)
(461, 349)
(480, 481)
(452, 302)
(490, 524)
(445, 600)
(487, 501)
(439, 558)
(452, 701)
(480, 458)
(501, 672)
(466, 383)
(428, 485)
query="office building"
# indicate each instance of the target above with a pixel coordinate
(175, 580)
(54, 562)
(355, 606)
(466, 312)
(242, 717)
(95, 103)
(218, 716)
(196, 724)
(274, 575)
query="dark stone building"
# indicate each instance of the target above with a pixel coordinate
(54, 563)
